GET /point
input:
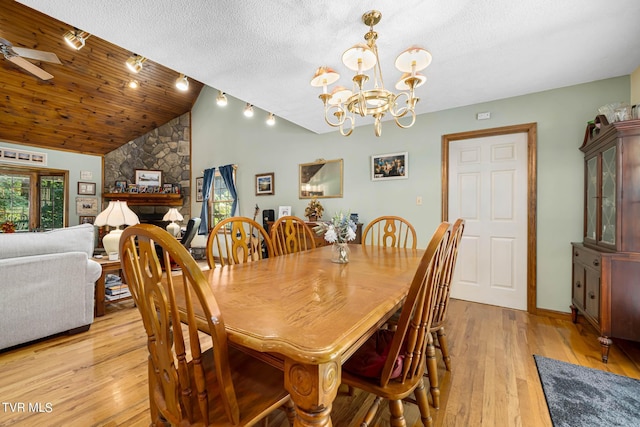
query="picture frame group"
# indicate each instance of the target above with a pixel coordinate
(265, 184)
(390, 166)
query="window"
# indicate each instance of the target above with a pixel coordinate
(51, 201)
(33, 198)
(221, 201)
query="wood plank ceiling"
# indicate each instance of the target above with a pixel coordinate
(87, 107)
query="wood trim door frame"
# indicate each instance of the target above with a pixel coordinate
(531, 129)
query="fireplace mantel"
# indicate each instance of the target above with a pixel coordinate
(146, 199)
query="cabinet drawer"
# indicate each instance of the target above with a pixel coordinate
(587, 257)
(577, 290)
(592, 295)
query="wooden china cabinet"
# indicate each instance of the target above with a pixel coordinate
(606, 265)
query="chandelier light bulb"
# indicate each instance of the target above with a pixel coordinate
(133, 84)
(248, 110)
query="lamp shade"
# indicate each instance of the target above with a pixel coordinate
(413, 59)
(324, 76)
(172, 215)
(359, 58)
(116, 214)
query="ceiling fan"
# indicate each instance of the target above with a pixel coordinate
(17, 55)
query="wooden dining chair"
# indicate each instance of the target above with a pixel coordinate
(440, 311)
(390, 231)
(194, 379)
(402, 350)
(237, 240)
(291, 234)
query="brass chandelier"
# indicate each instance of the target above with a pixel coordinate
(343, 104)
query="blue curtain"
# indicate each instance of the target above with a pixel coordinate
(227, 175)
(206, 195)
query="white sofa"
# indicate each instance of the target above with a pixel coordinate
(47, 283)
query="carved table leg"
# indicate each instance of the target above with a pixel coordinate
(574, 313)
(605, 344)
(313, 389)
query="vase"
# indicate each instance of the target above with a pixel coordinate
(313, 218)
(340, 253)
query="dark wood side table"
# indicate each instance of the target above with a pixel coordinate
(107, 267)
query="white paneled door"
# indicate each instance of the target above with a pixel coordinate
(488, 188)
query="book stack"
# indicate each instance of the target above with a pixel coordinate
(114, 288)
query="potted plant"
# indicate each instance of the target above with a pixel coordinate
(314, 210)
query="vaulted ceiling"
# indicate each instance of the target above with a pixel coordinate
(87, 106)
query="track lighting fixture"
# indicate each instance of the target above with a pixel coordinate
(182, 83)
(76, 38)
(134, 63)
(271, 120)
(221, 100)
(248, 110)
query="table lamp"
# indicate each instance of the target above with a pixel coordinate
(173, 215)
(116, 214)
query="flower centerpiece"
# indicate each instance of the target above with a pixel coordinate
(339, 230)
(314, 210)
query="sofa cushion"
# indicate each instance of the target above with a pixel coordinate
(79, 238)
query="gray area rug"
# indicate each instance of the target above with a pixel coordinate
(579, 396)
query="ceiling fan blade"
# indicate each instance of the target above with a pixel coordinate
(38, 55)
(33, 69)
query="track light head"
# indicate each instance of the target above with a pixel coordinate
(221, 99)
(182, 83)
(76, 38)
(134, 63)
(248, 110)
(271, 120)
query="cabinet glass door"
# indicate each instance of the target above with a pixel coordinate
(592, 198)
(608, 209)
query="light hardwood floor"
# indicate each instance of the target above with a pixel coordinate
(99, 378)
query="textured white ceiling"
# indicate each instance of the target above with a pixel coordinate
(265, 52)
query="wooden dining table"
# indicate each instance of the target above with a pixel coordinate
(309, 315)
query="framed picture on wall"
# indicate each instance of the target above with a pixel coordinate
(86, 206)
(264, 184)
(284, 211)
(87, 188)
(87, 219)
(199, 185)
(390, 166)
(148, 178)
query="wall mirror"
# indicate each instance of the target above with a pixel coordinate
(321, 179)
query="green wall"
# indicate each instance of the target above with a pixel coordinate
(223, 135)
(74, 163)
